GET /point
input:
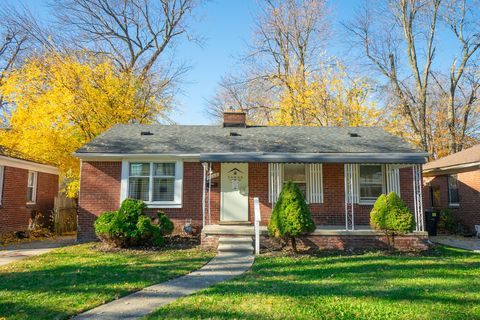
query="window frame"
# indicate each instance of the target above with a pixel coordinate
(305, 172)
(178, 182)
(311, 177)
(453, 204)
(384, 183)
(34, 187)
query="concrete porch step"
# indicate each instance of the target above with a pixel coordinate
(235, 244)
(236, 240)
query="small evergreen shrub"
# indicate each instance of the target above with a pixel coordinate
(391, 216)
(291, 216)
(130, 226)
(164, 223)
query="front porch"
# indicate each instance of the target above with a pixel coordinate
(340, 198)
(340, 195)
(323, 238)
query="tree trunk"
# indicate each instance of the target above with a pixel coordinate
(294, 245)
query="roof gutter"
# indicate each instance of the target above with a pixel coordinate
(28, 165)
(119, 156)
(450, 169)
(414, 158)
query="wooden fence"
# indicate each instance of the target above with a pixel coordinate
(64, 215)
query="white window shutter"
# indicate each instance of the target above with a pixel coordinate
(355, 182)
(275, 181)
(393, 178)
(314, 182)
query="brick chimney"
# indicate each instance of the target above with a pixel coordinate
(234, 118)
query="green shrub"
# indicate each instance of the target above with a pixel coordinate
(446, 221)
(165, 224)
(392, 216)
(130, 226)
(290, 217)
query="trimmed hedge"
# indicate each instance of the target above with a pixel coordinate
(130, 226)
(391, 215)
(291, 216)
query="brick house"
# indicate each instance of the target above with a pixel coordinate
(26, 188)
(453, 182)
(209, 175)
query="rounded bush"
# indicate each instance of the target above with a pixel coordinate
(392, 216)
(130, 226)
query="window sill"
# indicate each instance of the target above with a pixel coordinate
(156, 205)
(454, 205)
(31, 203)
(366, 203)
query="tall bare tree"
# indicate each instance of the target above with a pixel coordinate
(135, 33)
(288, 40)
(464, 20)
(399, 40)
(15, 40)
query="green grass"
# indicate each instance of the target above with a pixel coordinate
(441, 285)
(69, 280)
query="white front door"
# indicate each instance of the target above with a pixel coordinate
(234, 192)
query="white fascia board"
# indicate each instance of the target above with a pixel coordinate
(450, 169)
(27, 165)
(137, 156)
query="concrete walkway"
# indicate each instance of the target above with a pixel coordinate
(472, 243)
(223, 267)
(24, 250)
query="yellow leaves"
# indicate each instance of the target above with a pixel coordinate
(57, 103)
(329, 98)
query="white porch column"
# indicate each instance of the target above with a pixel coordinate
(417, 197)
(204, 187)
(209, 191)
(349, 196)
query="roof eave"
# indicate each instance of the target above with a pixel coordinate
(27, 165)
(413, 158)
(92, 156)
(450, 169)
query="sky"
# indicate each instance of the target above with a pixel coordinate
(226, 26)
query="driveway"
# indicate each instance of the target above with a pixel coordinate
(471, 243)
(21, 251)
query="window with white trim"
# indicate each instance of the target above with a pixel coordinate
(154, 182)
(371, 182)
(308, 177)
(295, 172)
(453, 196)
(32, 187)
(2, 173)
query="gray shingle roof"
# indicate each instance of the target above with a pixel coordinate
(179, 139)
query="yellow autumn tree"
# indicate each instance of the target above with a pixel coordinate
(329, 98)
(57, 103)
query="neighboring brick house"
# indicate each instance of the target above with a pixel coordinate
(453, 182)
(26, 188)
(210, 175)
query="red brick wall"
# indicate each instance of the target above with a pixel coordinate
(469, 191)
(14, 211)
(409, 242)
(330, 212)
(100, 192)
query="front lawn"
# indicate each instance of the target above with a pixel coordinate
(441, 285)
(69, 280)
